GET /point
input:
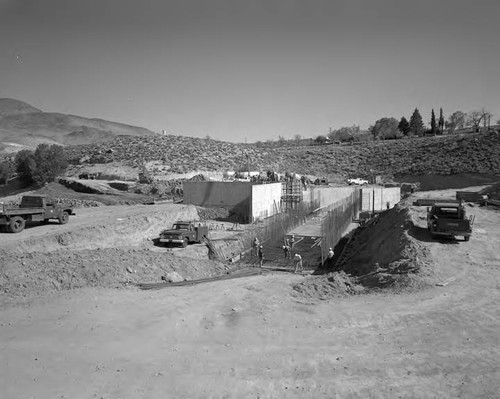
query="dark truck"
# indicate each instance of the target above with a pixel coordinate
(184, 233)
(449, 219)
(33, 208)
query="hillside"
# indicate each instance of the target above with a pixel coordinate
(445, 155)
(24, 125)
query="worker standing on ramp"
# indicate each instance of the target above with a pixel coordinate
(260, 254)
(255, 246)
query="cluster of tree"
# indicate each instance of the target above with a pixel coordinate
(473, 120)
(348, 133)
(41, 166)
(390, 128)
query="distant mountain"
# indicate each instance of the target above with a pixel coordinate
(24, 126)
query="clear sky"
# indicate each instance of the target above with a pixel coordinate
(251, 69)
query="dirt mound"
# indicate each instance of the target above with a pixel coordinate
(384, 252)
(381, 255)
(327, 286)
(34, 274)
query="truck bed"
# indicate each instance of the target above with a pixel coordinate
(22, 211)
(452, 227)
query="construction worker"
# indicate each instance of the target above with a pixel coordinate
(292, 241)
(287, 251)
(329, 259)
(260, 254)
(255, 246)
(297, 260)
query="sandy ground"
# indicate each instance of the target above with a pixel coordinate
(253, 338)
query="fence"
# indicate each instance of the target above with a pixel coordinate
(337, 219)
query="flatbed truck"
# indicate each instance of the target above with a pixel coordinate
(33, 208)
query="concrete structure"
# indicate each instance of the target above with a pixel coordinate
(377, 198)
(321, 197)
(245, 201)
(249, 202)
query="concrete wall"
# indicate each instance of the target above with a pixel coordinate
(234, 196)
(265, 200)
(376, 198)
(324, 196)
(244, 200)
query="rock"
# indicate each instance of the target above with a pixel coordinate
(174, 277)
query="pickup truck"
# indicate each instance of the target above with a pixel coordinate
(33, 208)
(449, 219)
(183, 233)
(357, 181)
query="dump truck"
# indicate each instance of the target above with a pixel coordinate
(33, 208)
(449, 219)
(184, 233)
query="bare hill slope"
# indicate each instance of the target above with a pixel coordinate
(444, 155)
(22, 124)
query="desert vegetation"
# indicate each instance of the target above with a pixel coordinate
(446, 154)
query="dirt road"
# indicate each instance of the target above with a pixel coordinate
(254, 338)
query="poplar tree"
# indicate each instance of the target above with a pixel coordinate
(433, 123)
(441, 121)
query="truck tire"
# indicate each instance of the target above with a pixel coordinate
(466, 238)
(63, 218)
(16, 224)
(184, 242)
